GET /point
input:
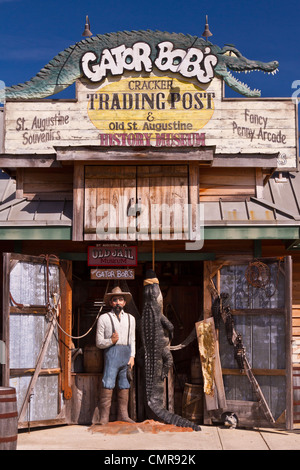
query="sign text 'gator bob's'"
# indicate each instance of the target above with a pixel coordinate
(150, 89)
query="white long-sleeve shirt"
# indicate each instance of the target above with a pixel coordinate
(104, 330)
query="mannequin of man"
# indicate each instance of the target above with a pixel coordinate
(116, 336)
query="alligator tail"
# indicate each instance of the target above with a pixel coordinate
(172, 418)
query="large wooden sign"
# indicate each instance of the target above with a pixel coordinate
(154, 111)
(150, 89)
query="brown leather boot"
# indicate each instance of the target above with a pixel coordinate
(123, 396)
(105, 404)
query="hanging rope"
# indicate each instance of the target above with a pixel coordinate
(47, 259)
(94, 323)
(89, 330)
(153, 255)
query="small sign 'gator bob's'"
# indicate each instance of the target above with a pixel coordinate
(150, 89)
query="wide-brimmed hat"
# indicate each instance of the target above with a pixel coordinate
(115, 292)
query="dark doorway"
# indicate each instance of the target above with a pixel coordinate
(181, 285)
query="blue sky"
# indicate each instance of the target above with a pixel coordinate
(34, 31)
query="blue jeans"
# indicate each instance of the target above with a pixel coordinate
(116, 358)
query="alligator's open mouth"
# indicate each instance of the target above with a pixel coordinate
(241, 87)
(231, 62)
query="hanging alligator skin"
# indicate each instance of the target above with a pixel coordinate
(64, 69)
(157, 331)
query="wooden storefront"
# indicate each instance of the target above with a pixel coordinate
(200, 185)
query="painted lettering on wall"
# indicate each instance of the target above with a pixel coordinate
(149, 111)
(260, 132)
(41, 129)
(189, 63)
(157, 140)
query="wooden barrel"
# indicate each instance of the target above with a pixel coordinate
(8, 418)
(196, 371)
(192, 403)
(92, 359)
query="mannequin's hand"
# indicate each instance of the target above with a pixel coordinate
(114, 338)
(131, 362)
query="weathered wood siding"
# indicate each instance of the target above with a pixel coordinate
(296, 338)
(129, 203)
(226, 183)
(54, 183)
(233, 126)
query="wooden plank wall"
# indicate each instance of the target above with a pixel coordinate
(53, 183)
(226, 183)
(296, 338)
(228, 128)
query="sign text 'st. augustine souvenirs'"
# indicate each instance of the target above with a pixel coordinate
(150, 89)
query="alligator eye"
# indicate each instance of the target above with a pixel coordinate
(230, 53)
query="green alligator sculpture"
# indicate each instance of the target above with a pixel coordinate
(65, 67)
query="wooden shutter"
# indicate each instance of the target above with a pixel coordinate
(136, 203)
(109, 193)
(162, 193)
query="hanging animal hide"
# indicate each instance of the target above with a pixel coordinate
(206, 343)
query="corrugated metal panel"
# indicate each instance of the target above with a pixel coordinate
(14, 212)
(28, 283)
(283, 193)
(7, 188)
(27, 333)
(44, 400)
(36, 212)
(233, 211)
(280, 204)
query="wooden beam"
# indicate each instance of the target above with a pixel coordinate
(78, 202)
(193, 198)
(5, 316)
(66, 324)
(19, 183)
(28, 161)
(23, 372)
(260, 372)
(256, 160)
(288, 341)
(109, 154)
